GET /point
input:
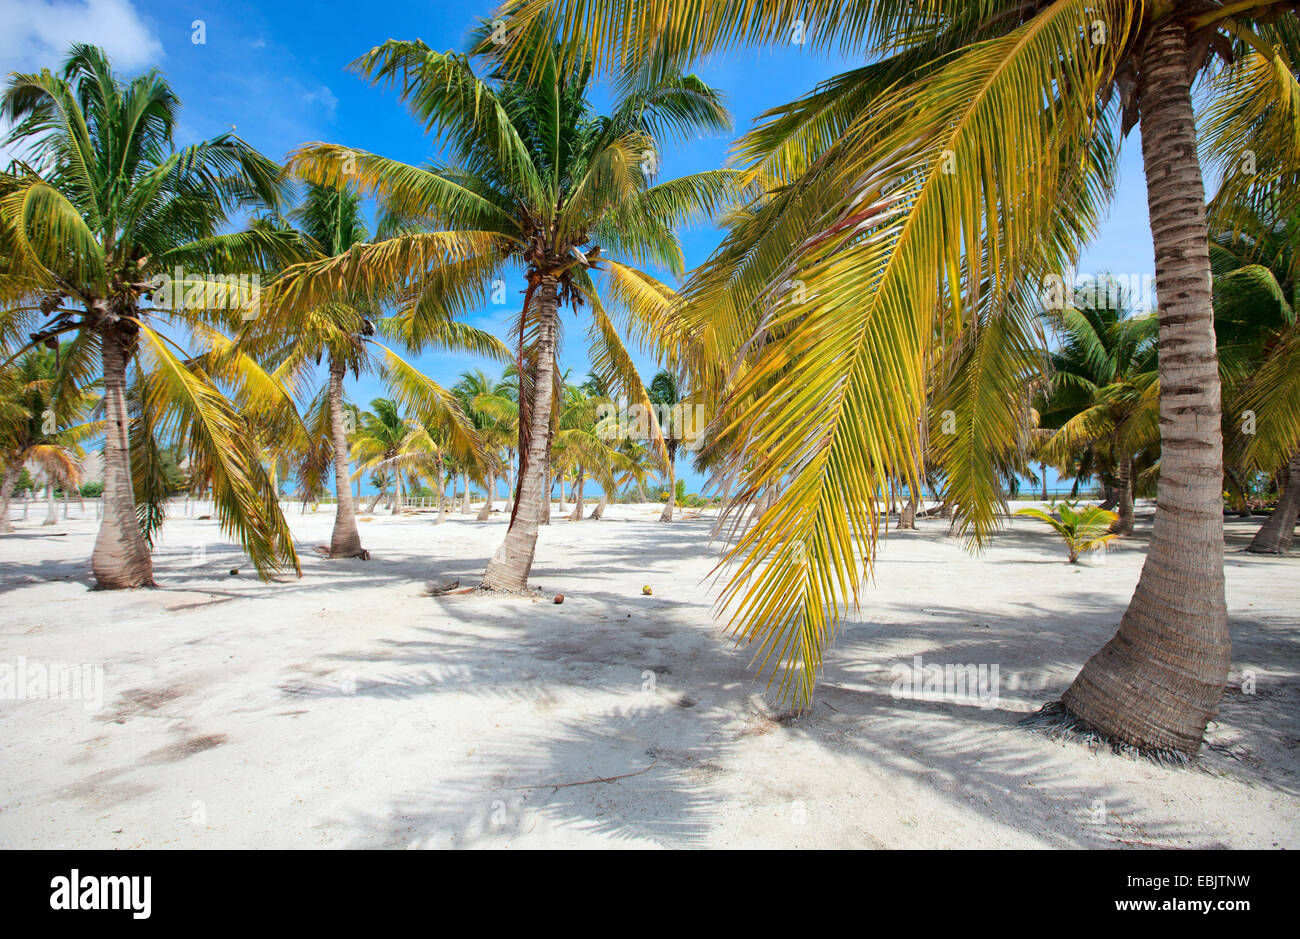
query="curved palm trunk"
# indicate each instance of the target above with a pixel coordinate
(1278, 533)
(13, 469)
(486, 512)
(667, 514)
(121, 556)
(513, 561)
(577, 509)
(907, 520)
(1158, 682)
(345, 542)
(1124, 524)
(599, 511)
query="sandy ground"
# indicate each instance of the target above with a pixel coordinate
(352, 709)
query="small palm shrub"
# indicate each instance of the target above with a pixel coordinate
(1082, 530)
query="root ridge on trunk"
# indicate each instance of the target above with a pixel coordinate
(1055, 720)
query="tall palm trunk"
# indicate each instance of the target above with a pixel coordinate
(513, 561)
(1124, 524)
(121, 556)
(1158, 682)
(599, 511)
(1277, 534)
(667, 514)
(577, 509)
(464, 496)
(1043, 469)
(485, 513)
(345, 542)
(13, 469)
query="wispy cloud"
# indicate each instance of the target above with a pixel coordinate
(37, 33)
(324, 98)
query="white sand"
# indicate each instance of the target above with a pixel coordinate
(351, 709)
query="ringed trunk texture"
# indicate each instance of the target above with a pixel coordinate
(513, 561)
(1278, 533)
(345, 542)
(599, 511)
(1158, 682)
(13, 469)
(121, 556)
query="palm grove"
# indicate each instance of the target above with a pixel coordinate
(871, 324)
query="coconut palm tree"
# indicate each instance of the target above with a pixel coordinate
(1256, 292)
(667, 396)
(378, 442)
(498, 408)
(347, 333)
(42, 420)
(539, 182)
(911, 202)
(1082, 530)
(1102, 392)
(101, 232)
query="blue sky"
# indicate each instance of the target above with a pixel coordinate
(278, 73)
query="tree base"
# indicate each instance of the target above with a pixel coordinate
(1055, 720)
(343, 555)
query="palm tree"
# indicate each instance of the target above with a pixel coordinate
(1102, 393)
(908, 203)
(1256, 290)
(343, 329)
(41, 420)
(497, 408)
(544, 184)
(666, 395)
(1082, 530)
(99, 236)
(378, 442)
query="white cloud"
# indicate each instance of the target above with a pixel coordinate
(325, 98)
(37, 32)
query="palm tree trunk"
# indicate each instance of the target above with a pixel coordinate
(13, 469)
(667, 514)
(1158, 682)
(1124, 524)
(121, 556)
(1277, 534)
(513, 561)
(907, 520)
(577, 509)
(464, 496)
(599, 511)
(345, 542)
(1043, 469)
(486, 512)
(51, 506)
